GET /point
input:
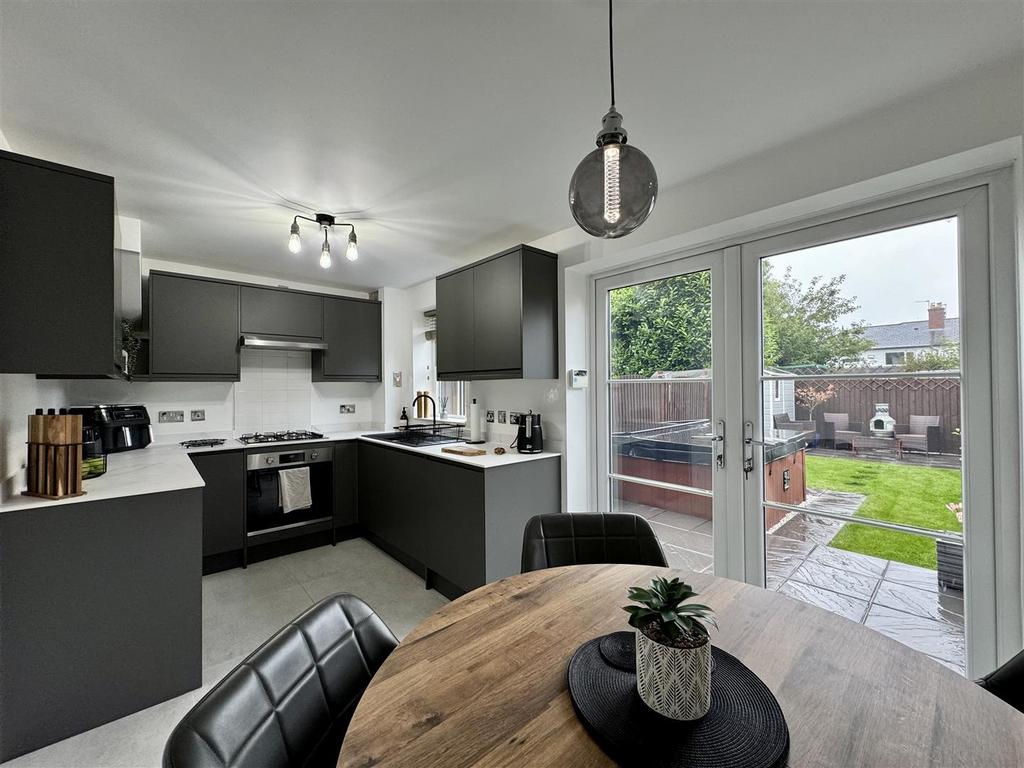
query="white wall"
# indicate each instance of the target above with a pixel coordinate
(20, 395)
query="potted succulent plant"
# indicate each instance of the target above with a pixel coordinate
(673, 649)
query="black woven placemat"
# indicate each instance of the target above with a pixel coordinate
(744, 728)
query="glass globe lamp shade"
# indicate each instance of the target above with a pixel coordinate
(613, 190)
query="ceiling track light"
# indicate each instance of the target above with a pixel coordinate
(326, 222)
(614, 188)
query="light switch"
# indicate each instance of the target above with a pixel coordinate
(396, 379)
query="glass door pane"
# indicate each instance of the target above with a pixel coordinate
(862, 490)
(662, 447)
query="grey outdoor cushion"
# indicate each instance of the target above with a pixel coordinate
(841, 421)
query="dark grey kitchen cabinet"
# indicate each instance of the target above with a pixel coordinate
(193, 326)
(346, 473)
(352, 332)
(497, 330)
(459, 525)
(498, 318)
(277, 312)
(57, 295)
(390, 509)
(455, 318)
(223, 500)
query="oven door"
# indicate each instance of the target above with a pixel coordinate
(263, 512)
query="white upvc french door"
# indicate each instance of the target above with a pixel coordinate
(966, 212)
(668, 442)
(658, 443)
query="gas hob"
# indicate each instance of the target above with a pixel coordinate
(287, 436)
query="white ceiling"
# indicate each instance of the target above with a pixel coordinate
(447, 130)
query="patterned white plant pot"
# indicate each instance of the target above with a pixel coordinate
(674, 682)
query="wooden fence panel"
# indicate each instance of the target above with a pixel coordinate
(906, 398)
(637, 405)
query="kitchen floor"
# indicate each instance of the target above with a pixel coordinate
(241, 609)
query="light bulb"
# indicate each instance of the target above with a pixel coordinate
(294, 244)
(351, 251)
(325, 257)
(611, 183)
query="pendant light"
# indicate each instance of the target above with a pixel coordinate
(326, 222)
(614, 188)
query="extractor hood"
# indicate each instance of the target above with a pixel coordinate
(281, 342)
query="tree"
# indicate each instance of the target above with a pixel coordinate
(663, 325)
(802, 324)
(942, 358)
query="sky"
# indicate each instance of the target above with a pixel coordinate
(892, 274)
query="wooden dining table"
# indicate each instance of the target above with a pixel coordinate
(482, 682)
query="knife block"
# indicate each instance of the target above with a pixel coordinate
(54, 456)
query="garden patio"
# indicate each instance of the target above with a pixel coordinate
(881, 578)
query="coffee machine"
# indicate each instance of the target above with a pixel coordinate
(531, 436)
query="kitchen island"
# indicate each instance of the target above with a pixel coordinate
(100, 599)
(457, 521)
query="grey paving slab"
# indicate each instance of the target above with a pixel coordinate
(843, 605)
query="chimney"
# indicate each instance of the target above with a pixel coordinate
(936, 316)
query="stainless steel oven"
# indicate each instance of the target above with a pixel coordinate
(265, 519)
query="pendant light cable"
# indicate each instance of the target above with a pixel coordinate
(611, 53)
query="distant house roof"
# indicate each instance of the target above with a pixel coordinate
(911, 334)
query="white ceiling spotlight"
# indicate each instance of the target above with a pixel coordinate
(326, 222)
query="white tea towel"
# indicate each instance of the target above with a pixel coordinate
(294, 492)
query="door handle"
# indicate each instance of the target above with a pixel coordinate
(748, 447)
(717, 439)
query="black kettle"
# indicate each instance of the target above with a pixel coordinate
(531, 436)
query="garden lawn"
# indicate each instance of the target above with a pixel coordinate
(896, 493)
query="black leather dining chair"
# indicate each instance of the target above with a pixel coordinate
(289, 703)
(587, 538)
(1007, 682)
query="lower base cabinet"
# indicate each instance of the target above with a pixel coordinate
(223, 500)
(461, 526)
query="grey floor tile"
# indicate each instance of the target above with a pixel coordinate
(921, 602)
(680, 537)
(233, 629)
(865, 565)
(240, 584)
(843, 605)
(678, 557)
(835, 580)
(938, 639)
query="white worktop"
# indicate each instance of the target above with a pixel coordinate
(155, 469)
(165, 465)
(489, 461)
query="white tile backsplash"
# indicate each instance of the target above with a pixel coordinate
(274, 392)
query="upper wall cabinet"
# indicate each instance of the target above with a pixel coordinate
(193, 328)
(352, 332)
(57, 298)
(498, 318)
(277, 312)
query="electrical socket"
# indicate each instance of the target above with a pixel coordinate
(170, 417)
(513, 417)
(347, 408)
(501, 417)
(197, 414)
(490, 417)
